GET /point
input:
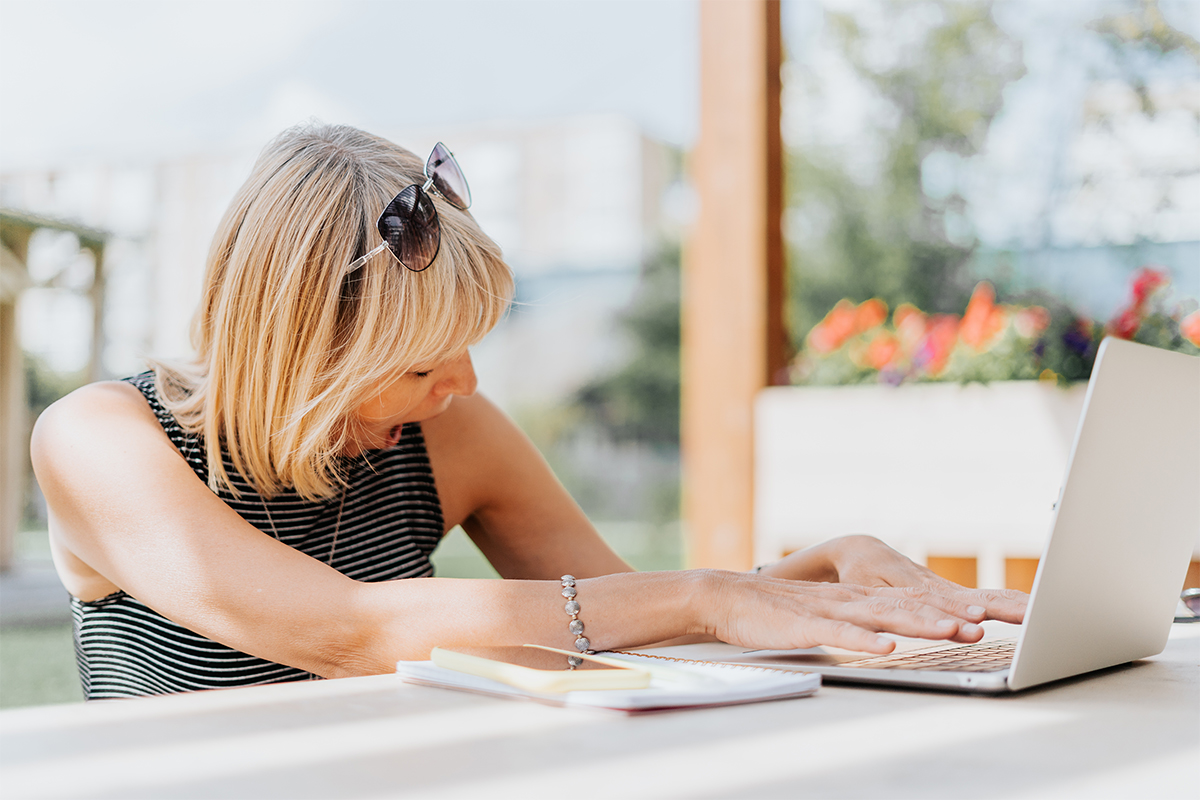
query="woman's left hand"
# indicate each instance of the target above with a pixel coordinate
(866, 561)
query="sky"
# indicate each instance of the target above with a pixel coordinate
(128, 80)
(145, 80)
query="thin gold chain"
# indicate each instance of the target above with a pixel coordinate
(337, 525)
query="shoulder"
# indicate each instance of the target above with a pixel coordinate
(91, 414)
(472, 420)
(96, 402)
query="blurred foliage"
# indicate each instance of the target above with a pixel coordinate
(884, 237)
(1145, 27)
(639, 402)
(44, 385)
(1140, 32)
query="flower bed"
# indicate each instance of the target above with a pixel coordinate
(856, 343)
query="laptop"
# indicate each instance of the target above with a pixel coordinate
(1124, 528)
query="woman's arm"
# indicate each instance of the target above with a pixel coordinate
(127, 506)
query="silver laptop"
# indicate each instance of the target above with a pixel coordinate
(1124, 527)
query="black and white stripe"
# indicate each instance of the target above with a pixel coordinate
(391, 523)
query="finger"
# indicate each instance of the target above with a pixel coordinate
(845, 635)
(1006, 605)
(908, 616)
(952, 602)
(973, 605)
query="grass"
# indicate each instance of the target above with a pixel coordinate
(37, 661)
(37, 666)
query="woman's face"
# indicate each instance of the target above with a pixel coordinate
(413, 397)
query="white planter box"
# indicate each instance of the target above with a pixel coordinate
(932, 469)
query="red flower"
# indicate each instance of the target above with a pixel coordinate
(1125, 324)
(1146, 281)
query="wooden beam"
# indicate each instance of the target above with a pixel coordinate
(14, 423)
(734, 341)
(95, 368)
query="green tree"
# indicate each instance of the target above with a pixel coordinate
(639, 401)
(883, 235)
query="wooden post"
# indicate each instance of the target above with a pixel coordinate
(96, 370)
(734, 341)
(14, 439)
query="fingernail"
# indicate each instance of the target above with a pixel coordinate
(882, 641)
(970, 628)
(946, 623)
(976, 610)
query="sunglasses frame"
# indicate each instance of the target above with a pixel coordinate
(397, 217)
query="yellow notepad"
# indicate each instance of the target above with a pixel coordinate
(542, 669)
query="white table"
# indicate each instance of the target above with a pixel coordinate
(1131, 731)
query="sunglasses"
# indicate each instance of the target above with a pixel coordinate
(409, 224)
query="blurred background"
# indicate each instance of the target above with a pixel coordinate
(1050, 149)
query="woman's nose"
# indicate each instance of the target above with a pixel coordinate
(460, 378)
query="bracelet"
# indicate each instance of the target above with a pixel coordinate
(575, 626)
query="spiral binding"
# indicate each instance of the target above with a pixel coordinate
(724, 664)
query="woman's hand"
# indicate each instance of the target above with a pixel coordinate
(868, 562)
(772, 613)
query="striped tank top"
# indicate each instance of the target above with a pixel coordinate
(390, 524)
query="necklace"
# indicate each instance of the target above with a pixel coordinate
(337, 525)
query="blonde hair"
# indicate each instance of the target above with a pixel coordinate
(288, 344)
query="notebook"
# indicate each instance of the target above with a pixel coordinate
(685, 685)
(1123, 530)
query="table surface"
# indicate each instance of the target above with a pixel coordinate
(1131, 731)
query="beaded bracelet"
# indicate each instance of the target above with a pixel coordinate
(575, 626)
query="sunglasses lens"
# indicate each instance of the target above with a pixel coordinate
(410, 227)
(447, 177)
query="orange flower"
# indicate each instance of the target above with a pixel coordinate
(882, 350)
(833, 331)
(940, 336)
(910, 328)
(871, 313)
(983, 320)
(906, 312)
(1189, 326)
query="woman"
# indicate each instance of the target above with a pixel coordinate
(251, 517)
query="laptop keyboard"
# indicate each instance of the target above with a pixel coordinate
(988, 656)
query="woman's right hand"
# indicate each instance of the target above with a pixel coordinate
(777, 614)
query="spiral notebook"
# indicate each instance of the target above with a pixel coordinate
(674, 684)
